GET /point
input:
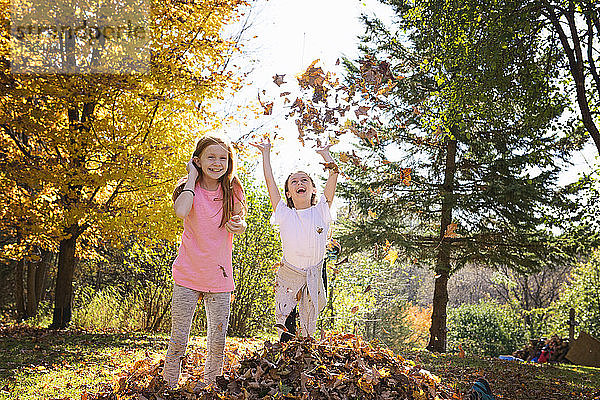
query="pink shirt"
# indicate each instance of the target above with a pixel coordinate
(204, 259)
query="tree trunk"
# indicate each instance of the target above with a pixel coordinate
(41, 274)
(63, 293)
(438, 330)
(32, 301)
(19, 290)
(330, 302)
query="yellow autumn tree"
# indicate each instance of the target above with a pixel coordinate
(89, 150)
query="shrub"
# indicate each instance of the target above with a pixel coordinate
(486, 328)
(582, 293)
(419, 322)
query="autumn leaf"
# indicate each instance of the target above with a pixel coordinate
(278, 79)
(354, 309)
(330, 165)
(312, 77)
(405, 175)
(450, 231)
(268, 108)
(284, 94)
(391, 256)
(372, 214)
(387, 246)
(362, 110)
(344, 157)
(367, 289)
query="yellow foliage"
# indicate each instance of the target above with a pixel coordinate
(391, 256)
(97, 156)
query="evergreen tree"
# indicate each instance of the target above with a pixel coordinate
(478, 145)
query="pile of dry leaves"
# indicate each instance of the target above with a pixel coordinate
(337, 367)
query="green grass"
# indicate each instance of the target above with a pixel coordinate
(41, 364)
(513, 380)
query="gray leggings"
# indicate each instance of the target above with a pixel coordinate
(217, 317)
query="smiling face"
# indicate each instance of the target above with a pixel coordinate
(213, 162)
(300, 189)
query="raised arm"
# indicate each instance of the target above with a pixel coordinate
(265, 149)
(331, 183)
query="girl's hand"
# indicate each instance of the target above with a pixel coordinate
(264, 146)
(191, 169)
(236, 225)
(324, 152)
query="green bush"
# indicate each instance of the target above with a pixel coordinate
(364, 297)
(129, 292)
(254, 255)
(144, 309)
(486, 328)
(581, 292)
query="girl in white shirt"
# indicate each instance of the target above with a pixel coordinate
(303, 225)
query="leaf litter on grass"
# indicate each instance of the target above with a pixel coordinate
(341, 366)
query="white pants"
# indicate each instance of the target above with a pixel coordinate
(295, 286)
(183, 307)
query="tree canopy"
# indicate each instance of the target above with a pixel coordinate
(472, 116)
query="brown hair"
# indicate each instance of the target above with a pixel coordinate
(290, 203)
(229, 181)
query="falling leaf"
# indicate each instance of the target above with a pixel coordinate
(284, 94)
(387, 246)
(372, 214)
(367, 289)
(344, 157)
(312, 77)
(405, 176)
(337, 62)
(278, 79)
(362, 110)
(331, 166)
(268, 108)
(450, 231)
(354, 309)
(391, 256)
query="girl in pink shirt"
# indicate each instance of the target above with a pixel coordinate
(211, 202)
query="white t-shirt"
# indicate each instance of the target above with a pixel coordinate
(303, 232)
